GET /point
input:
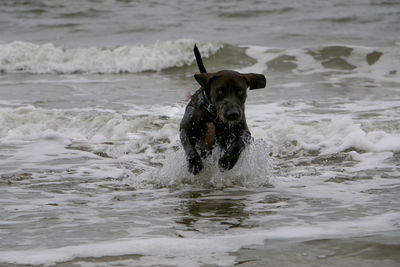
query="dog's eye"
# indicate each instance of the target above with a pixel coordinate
(240, 92)
(220, 92)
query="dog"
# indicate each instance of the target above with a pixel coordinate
(215, 115)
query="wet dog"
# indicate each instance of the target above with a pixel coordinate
(215, 116)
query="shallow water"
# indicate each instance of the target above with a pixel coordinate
(91, 168)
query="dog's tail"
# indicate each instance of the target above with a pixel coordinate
(199, 60)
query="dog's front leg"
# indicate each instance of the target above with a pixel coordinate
(188, 135)
(232, 153)
(195, 164)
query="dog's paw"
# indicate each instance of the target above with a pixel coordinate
(226, 162)
(195, 165)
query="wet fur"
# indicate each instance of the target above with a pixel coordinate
(226, 91)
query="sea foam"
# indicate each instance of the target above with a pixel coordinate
(26, 57)
(253, 169)
(195, 250)
(345, 61)
(146, 139)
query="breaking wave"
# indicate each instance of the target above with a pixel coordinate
(349, 61)
(25, 57)
(146, 143)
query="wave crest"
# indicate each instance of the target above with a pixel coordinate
(25, 57)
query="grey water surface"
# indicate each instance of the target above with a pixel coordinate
(91, 168)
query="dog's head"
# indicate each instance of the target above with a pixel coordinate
(227, 91)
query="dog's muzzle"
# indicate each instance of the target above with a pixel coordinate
(231, 113)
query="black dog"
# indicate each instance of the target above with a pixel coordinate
(215, 115)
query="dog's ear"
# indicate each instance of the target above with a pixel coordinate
(255, 81)
(204, 79)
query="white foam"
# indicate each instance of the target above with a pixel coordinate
(370, 160)
(198, 250)
(386, 68)
(144, 135)
(49, 58)
(253, 169)
(27, 123)
(329, 133)
(260, 54)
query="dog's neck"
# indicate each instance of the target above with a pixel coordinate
(206, 105)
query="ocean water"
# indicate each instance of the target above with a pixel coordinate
(92, 172)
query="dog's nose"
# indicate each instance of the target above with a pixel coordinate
(232, 115)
